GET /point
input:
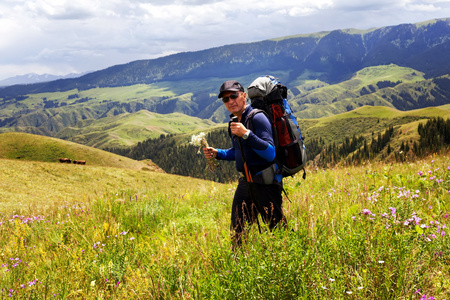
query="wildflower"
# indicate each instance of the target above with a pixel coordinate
(417, 220)
(123, 233)
(332, 279)
(349, 292)
(200, 141)
(381, 261)
(393, 211)
(365, 211)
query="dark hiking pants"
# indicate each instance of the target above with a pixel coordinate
(244, 211)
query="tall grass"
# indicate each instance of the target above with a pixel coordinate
(371, 232)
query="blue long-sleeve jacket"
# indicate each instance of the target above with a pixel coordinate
(259, 149)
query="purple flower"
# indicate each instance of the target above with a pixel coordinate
(393, 210)
(365, 211)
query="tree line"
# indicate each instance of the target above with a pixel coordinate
(182, 158)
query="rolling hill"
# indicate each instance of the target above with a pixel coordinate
(105, 117)
(30, 147)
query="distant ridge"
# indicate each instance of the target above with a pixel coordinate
(333, 56)
(36, 78)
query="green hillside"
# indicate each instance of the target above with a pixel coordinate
(29, 147)
(128, 129)
(365, 120)
(123, 116)
(328, 100)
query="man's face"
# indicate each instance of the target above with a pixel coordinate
(235, 106)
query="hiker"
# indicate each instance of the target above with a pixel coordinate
(259, 190)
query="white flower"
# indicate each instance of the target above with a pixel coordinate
(196, 140)
(199, 140)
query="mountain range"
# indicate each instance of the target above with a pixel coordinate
(36, 78)
(327, 73)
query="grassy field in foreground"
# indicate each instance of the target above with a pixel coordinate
(371, 232)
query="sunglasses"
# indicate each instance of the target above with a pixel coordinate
(232, 96)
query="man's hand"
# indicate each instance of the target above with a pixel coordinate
(238, 129)
(210, 152)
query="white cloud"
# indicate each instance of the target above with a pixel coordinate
(80, 35)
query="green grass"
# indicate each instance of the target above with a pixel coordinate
(112, 233)
(124, 93)
(30, 147)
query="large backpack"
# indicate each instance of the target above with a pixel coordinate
(269, 96)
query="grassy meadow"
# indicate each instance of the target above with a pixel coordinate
(377, 231)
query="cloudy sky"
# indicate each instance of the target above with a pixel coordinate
(64, 36)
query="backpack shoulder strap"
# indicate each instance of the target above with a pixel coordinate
(249, 120)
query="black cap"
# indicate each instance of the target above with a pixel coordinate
(230, 86)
